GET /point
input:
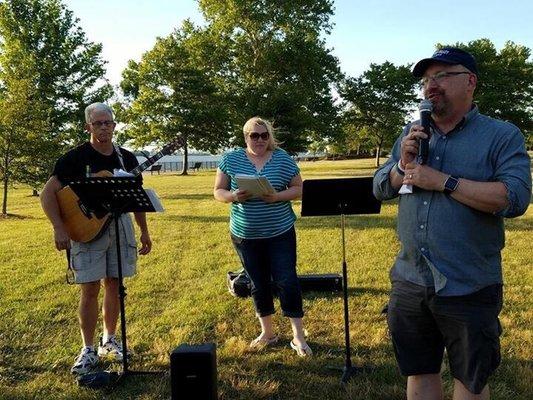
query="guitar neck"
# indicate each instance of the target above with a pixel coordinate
(149, 161)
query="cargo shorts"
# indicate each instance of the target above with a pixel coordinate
(97, 259)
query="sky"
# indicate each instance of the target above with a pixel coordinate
(364, 32)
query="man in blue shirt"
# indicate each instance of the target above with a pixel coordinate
(447, 278)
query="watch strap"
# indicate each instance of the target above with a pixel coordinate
(399, 168)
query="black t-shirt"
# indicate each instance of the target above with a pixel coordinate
(73, 165)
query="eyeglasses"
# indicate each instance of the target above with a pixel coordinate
(439, 77)
(256, 135)
(99, 124)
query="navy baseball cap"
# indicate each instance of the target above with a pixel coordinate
(447, 55)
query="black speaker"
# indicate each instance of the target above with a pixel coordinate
(193, 372)
(320, 282)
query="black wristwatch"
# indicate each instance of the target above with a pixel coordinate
(451, 184)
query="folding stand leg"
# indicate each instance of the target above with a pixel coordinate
(122, 295)
(348, 370)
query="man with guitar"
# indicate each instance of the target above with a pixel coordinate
(93, 260)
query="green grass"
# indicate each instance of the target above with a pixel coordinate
(179, 295)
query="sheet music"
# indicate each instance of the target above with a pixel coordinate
(120, 172)
(255, 185)
(156, 202)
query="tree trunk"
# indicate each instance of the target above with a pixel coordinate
(378, 151)
(4, 202)
(6, 182)
(185, 159)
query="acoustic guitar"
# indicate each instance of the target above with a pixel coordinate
(84, 225)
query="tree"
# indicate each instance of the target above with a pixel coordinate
(18, 127)
(505, 85)
(377, 103)
(172, 92)
(275, 64)
(66, 71)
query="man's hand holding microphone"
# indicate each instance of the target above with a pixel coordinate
(414, 153)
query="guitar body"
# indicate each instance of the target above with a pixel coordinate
(81, 224)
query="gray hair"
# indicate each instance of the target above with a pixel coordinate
(97, 107)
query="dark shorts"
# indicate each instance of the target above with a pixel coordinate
(423, 324)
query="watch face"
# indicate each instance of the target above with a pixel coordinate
(451, 184)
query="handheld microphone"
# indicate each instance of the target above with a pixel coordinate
(425, 107)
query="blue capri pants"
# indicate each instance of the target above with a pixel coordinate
(268, 262)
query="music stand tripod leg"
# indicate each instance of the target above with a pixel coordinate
(348, 371)
(122, 295)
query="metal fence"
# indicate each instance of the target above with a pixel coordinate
(178, 165)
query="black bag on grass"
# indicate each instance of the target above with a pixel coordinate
(239, 284)
(97, 380)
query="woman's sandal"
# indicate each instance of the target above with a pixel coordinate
(260, 343)
(303, 351)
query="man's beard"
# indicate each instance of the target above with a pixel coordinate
(441, 105)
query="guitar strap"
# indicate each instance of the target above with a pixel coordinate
(70, 272)
(119, 154)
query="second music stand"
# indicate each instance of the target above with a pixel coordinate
(341, 196)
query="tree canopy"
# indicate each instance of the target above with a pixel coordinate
(46, 63)
(171, 92)
(377, 104)
(275, 64)
(505, 84)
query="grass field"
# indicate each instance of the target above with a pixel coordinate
(179, 295)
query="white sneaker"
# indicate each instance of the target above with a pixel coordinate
(85, 362)
(111, 349)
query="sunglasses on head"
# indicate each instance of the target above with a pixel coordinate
(257, 135)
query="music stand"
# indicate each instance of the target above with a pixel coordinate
(341, 196)
(116, 196)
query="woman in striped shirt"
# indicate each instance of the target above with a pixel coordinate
(262, 228)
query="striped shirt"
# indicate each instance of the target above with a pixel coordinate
(255, 219)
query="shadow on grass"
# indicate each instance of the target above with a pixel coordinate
(520, 224)
(352, 222)
(312, 175)
(15, 216)
(318, 377)
(20, 373)
(188, 197)
(352, 292)
(194, 218)
(139, 386)
(308, 223)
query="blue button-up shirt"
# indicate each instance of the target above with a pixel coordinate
(447, 244)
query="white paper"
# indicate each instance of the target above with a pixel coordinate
(121, 172)
(406, 189)
(156, 203)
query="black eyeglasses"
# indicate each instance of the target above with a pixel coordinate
(99, 124)
(439, 77)
(256, 135)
